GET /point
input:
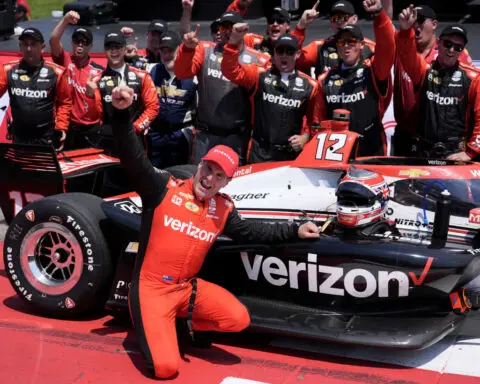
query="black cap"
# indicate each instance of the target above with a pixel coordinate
(232, 17)
(280, 12)
(287, 40)
(159, 26)
(34, 33)
(342, 7)
(214, 26)
(114, 37)
(426, 11)
(355, 30)
(455, 29)
(170, 40)
(84, 32)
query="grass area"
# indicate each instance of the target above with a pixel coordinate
(44, 8)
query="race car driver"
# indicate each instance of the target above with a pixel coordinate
(85, 119)
(145, 106)
(362, 201)
(181, 220)
(40, 99)
(404, 102)
(363, 87)
(323, 54)
(224, 111)
(448, 93)
(281, 97)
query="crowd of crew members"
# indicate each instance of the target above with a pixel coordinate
(263, 96)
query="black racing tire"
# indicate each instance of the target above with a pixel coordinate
(182, 171)
(56, 255)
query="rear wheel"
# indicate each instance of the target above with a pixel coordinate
(56, 256)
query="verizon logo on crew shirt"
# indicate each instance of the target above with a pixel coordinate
(189, 229)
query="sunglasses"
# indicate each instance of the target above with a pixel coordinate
(79, 41)
(113, 46)
(277, 19)
(349, 41)
(285, 51)
(339, 17)
(225, 27)
(449, 44)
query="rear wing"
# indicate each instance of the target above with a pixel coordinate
(30, 172)
(27, 173)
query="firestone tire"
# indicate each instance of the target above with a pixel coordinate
(56, 256)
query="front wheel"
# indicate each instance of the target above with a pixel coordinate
(56, 256)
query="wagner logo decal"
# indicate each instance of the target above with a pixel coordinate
(249, 196)
(358, 282)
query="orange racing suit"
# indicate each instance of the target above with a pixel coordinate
(176, 234)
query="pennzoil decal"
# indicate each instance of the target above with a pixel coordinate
(191, 206)
(413, 172)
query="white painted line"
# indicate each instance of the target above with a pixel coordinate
(238, 380)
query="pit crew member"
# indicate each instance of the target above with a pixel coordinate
(40, 99)
(181, 220)
(85, 121)
(322, 54)
(281, 98)
(404, 102)
(363, 87)
(170, 135)
(223, 111)
(448, 124)
(145, 106)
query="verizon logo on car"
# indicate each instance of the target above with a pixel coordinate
(474, 216)
(189, 229)
(277, 273)
(346, 99)
(443, 100)
(30, 93)
(283, 101)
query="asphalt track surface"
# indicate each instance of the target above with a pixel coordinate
(100, 349)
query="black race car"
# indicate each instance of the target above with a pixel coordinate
(71, 253)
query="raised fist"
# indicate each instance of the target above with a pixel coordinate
(71, 17)
(188, 4)
(407, 17)
(372, 6)
(239, 31)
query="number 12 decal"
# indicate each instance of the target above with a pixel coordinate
(330, 148)
(20, 199)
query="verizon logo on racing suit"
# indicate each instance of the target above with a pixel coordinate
(29, 93)
(283, 101)
(216, 73)
(346, 99)
(74, 84)
(443, 100)
(277, 273)
(108, 98)
(189, 229)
